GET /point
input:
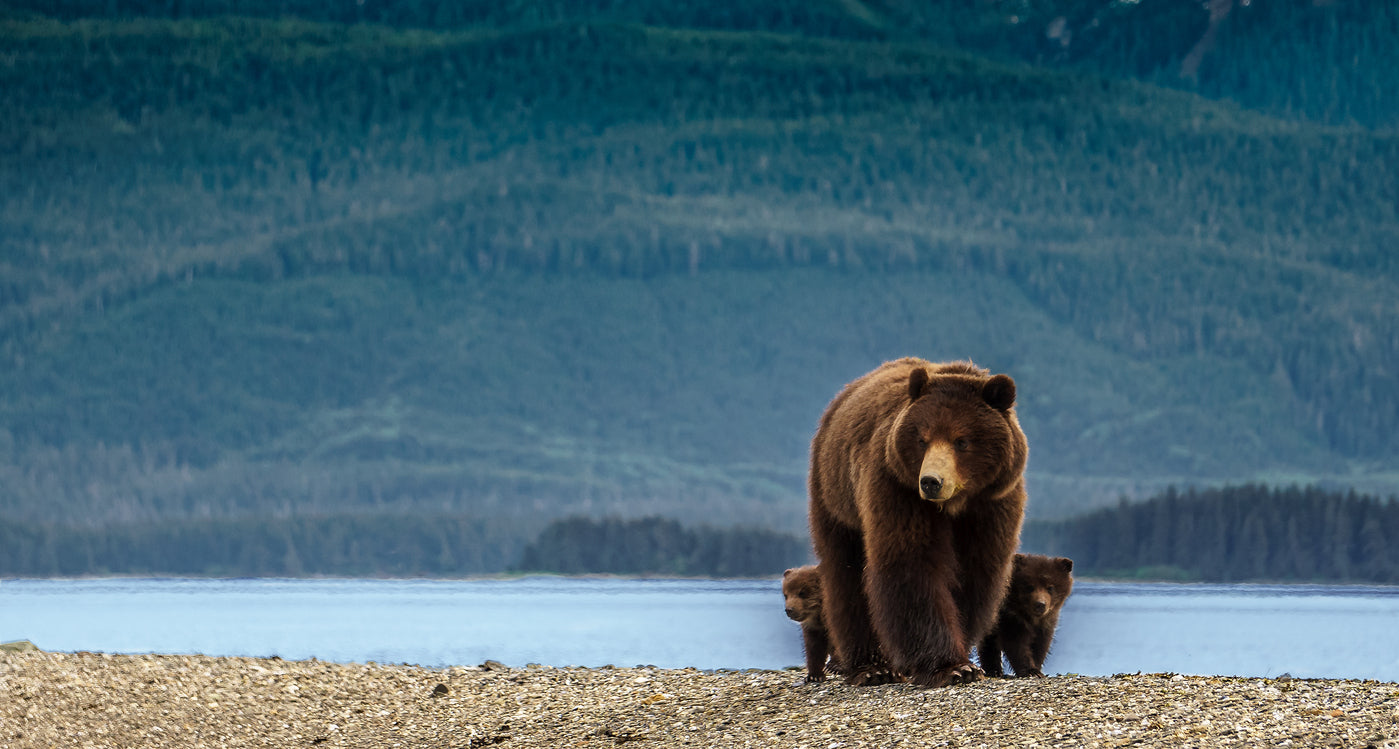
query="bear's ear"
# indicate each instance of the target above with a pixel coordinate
(999, 392)
(917, 380)
(1066, 563)
(788, 573)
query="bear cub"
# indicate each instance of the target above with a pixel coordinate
(801, 589)
(1039, 585)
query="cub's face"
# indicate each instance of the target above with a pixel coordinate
(801, 591)
(955, 438)
(1039, 585)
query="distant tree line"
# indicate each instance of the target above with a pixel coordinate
(1233, 534)
(659, 546)
(343, 546)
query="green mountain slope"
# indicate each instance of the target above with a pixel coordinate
(259, 266)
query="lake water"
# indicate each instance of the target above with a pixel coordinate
(1106, 628)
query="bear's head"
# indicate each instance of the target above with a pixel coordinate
(957, 436)
(801, 587)
(1038, 586)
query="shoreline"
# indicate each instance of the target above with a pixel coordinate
(103, 700)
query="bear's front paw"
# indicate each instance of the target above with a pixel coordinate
(961, 673)
(1033, 673)
(872, 676)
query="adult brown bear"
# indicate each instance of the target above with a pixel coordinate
(917, 495)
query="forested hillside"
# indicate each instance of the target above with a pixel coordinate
(517, 261)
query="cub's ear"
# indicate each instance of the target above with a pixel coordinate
(917, 380)
(999, 392)
(1066, 563)
(788, 573)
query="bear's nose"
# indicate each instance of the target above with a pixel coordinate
(791, 613)
(931, 486)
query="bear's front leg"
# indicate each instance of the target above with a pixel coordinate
(1020, 653)
(912, 604)
(817, 650)
(984, 538)
(845, 610)
(1039, 649)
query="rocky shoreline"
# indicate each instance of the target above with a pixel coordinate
(101, 700)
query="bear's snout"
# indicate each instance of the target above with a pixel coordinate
(938, 476)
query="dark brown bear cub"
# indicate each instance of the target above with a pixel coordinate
(1039, 585)
(801, 588)
(917, 494)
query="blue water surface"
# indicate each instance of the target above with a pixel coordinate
(1106, 628)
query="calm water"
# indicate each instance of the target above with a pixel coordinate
(1307, 631)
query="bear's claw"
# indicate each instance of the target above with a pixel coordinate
(872, 676)
(962, 673)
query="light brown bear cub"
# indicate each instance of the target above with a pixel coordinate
(801, 589)
(1039, 585)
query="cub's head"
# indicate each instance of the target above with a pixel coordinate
(1039, 586)
(801, 587)
(957, 436)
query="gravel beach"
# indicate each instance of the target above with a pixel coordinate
(101, 700)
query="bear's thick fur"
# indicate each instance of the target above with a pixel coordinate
(917, 495)
(1039, 585)
(801, 591)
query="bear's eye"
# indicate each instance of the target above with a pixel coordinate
(961, 445)
(922, 441)
(1050, 589)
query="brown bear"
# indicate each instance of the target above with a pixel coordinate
(801, 589)
(1039, 585)
(917, 495)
